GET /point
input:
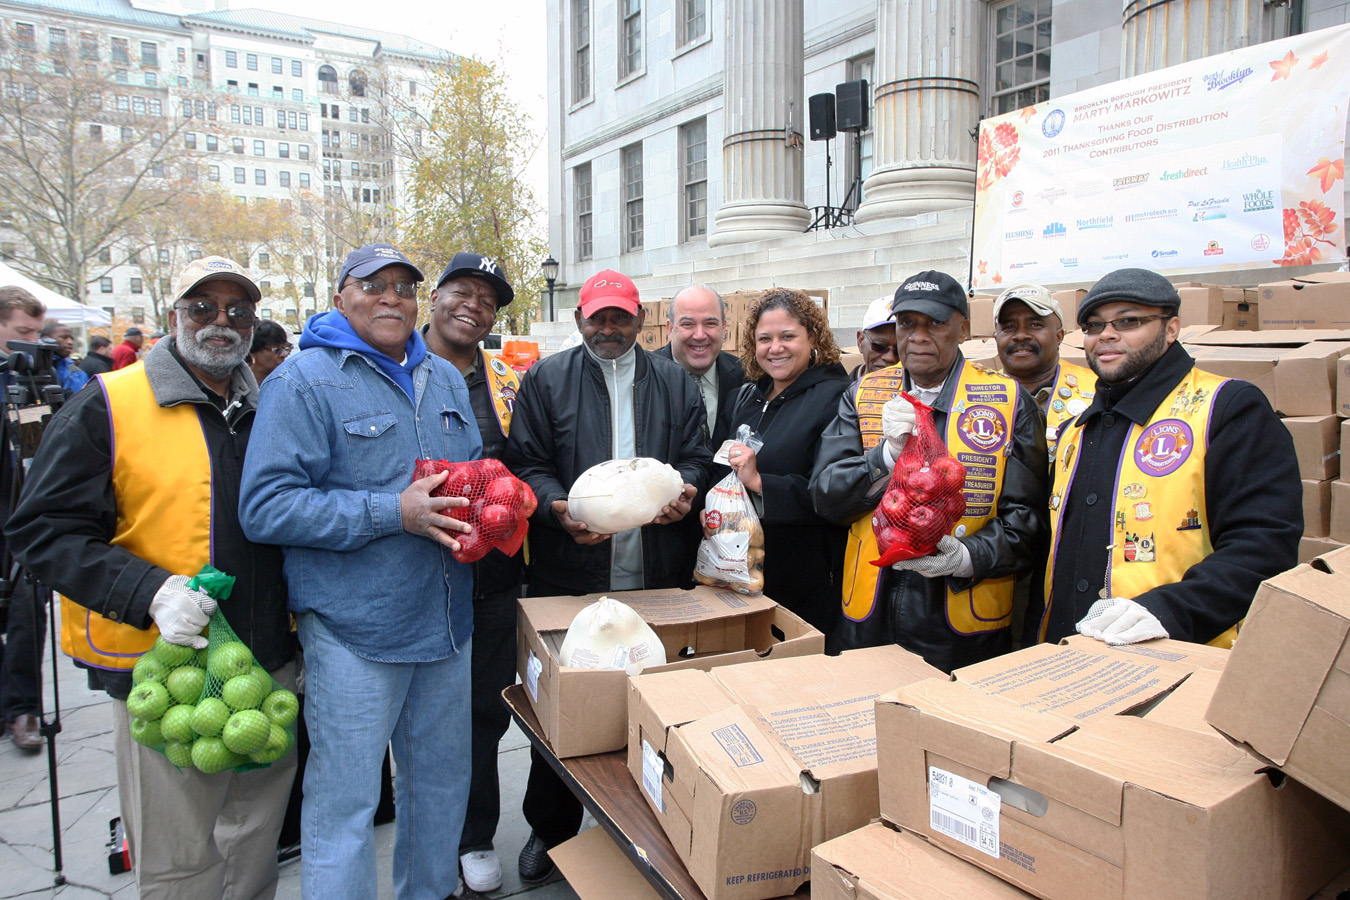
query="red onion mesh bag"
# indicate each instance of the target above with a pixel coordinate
(924, 498)
(499, 504)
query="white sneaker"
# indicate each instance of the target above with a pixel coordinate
(482, 870)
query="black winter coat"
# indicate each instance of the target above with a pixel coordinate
(803, 552)
(730, 377)
(562, 426)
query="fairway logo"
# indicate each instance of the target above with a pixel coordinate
(1054, 230)
(1258, 201)
(1129, 181)
(1053, 124)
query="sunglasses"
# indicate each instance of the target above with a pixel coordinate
(879, 347)
(282, 350)
(1124, 323)
(204, 312)
(405, 289)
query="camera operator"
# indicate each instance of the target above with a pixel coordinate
(25, 619)
(69, 375)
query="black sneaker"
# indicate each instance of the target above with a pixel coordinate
(534, 863)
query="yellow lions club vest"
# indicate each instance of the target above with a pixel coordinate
(163, 511)
(1160, 529)
(1072, 394)
(979, 436)
(503, 384)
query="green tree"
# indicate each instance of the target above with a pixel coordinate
(467, 190)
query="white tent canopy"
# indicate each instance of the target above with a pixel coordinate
(63, 309)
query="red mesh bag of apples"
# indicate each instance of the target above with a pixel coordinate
(499, 504)
(924, 498)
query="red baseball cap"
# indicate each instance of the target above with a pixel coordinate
(609, 288)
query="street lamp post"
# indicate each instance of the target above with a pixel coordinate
(549, 268)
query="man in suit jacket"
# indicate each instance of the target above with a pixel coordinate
(698, 322)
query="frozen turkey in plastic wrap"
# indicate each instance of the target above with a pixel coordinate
(620, 494)
(609, 635)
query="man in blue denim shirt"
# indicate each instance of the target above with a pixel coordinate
(384, 612)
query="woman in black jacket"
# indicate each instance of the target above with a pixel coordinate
(794, 381)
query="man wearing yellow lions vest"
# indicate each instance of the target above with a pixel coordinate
(134, 488)
(953, 607)
(1174, 494)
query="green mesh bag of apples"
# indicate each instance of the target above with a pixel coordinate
(211, 709)
(924, 498)
(499, 507)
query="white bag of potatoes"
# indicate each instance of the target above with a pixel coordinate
(620, 494)
(731, 553)
(610, 635)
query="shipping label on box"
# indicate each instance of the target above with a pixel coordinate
(748, 767)
(1317, 444)
(1305, 379)
(584, 711)
(1098, 799)
(1286, 691)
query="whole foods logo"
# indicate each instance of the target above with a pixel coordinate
(983, 428)
(1213, 249)
(1163, 447)
(1217, 81)
(1129, 181)
(1054, 230)
(1258, 201)
(1053, 124)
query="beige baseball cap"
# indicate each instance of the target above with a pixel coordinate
(214, 268)
(878, 313)
(1039, 299)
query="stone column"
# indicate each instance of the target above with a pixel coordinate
(926, 101)
(1156, 34)
(764, 117)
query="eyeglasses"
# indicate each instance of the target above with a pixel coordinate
(204, 312)
(405, 289)
(880, 347)
(282, 350)
(1123, 324)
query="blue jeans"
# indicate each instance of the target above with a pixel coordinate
(353, 708)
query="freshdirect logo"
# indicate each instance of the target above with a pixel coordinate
(1258, 201)
(1183, 173)
(1054, 230)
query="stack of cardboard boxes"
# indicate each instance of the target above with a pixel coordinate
(656, 333)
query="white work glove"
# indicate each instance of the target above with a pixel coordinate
(181, 612)
(897, 423)
(946, 559)
(1117, 620)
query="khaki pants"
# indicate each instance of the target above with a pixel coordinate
(195, 836)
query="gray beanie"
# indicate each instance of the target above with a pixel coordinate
(1130, 285)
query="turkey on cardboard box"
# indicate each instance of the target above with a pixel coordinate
(1065, 771)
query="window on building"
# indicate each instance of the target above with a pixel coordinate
(283, 150)
(253, 89)
(240, 176)
(694, 177)
(581, 50)
(237, 145)
(105, 256)
(1021, 54)
(858, 163)
(695, 24)
(231, 59)
(297, 68)
(213, 174)
(232, 86)
(328, 80)
(630, 41)
(151, 79)
(260, 148)
(138, 312)
(632, 197)
(304, 150)
(163, 255)
(309, 292)
(412, 89)
(56, 41)
(354, 141)
(356, 170)
(298, 96)
(581, 202)
(304, 179)
(260, 176)
(278, 93)
(137, 286)
(121, 54)
(182, 54)
(353, 114)
(190, 140)
(88, 45)
(212, 143)
(335, 111)
(138, 105)
(276, 65)
(127, 134)
(105, 285)
(120, 76)
(96, 133)
(357, 83)
(251, 62)
(150, 54)
(157, 170)
(284, 179)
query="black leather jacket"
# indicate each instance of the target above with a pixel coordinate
(562, 426)
(911, 610)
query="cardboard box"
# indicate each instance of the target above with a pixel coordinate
(1203, 304)
(1068, 304)
(1242, 315)
(1288, 337)
(1286, 691)
(1305, 379)
(584, 711)
(596, 869)
(1317, 507)
(1345, 437)
(1046, 768)
(748, 767)
(880, 863)
(983, 351)
(1313, 301)
(981, 317)
(1339, 525)
(1309, 548)
(1343, 386)
(1254, 364)
(1317, 443)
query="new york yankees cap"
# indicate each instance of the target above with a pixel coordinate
(474, 265)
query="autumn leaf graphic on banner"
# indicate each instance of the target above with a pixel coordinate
(1318, 60)
(984, 266)
(998, 154)
(1328, 172)
(1027, 113)
(998, 278)
(1305, 227)
(1284, 66)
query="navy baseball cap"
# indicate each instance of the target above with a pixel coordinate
(371, 258)
(933, 294)
(473, 265)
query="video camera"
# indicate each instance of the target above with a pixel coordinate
(32, 392)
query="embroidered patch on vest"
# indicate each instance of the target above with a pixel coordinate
(1163, 447)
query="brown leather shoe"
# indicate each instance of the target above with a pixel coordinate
(24, 732)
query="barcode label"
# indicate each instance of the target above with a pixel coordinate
(532, 669)
(653, 768)
(964, 810)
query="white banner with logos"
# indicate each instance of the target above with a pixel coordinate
(1225, 162)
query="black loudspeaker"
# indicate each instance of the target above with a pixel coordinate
(851, 98)
(822, 117)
